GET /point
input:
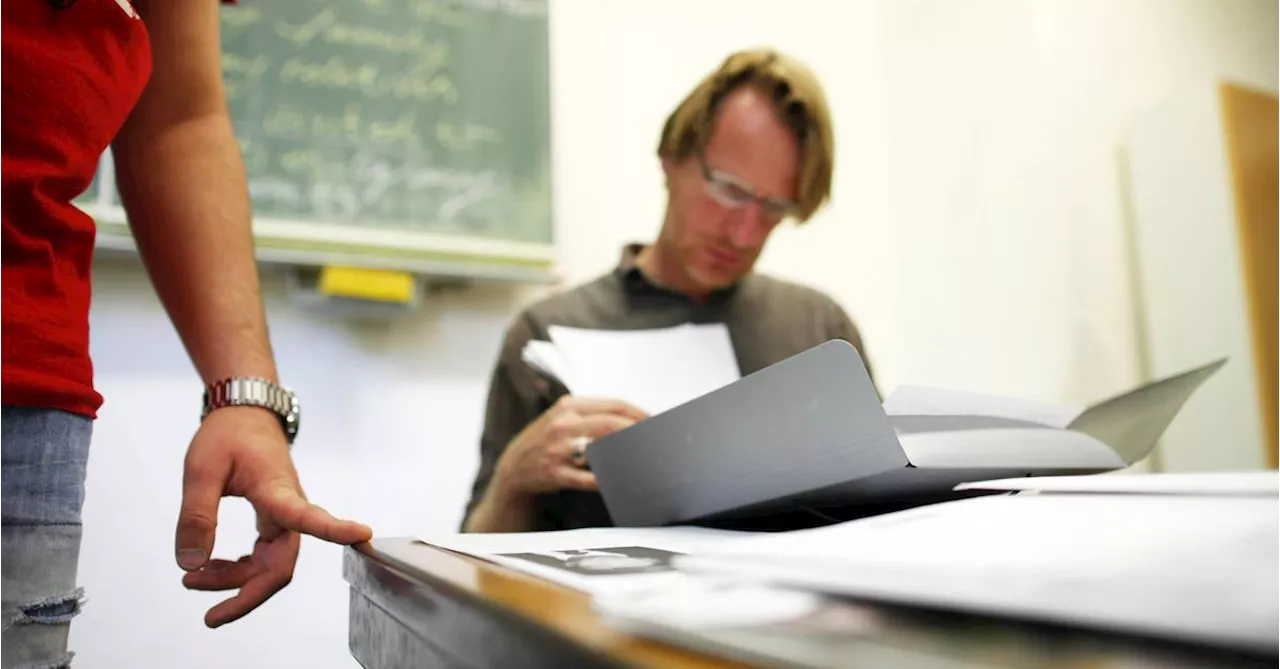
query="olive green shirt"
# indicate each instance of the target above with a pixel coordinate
(768, 320)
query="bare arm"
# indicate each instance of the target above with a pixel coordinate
(507, 412)
(498, 512)
(183, 184)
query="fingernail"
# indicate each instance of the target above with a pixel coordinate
(190, 558)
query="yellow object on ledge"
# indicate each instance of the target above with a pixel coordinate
(367, 284)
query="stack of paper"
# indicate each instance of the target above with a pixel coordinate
(654, 369)
(1191, 557)
(1165, 555)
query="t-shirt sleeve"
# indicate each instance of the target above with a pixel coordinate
(512, 404)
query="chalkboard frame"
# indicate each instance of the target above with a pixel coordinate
(299, 243)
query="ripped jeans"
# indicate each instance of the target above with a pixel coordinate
(45, 453)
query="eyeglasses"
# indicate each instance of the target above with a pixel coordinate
(733, 192)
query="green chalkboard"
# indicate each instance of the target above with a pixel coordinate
(389, 128)
(415, 115)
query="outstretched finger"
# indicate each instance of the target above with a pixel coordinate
(283, 506)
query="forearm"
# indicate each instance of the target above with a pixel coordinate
(185, 193)
(499, 512)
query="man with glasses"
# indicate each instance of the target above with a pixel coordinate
(750, 147)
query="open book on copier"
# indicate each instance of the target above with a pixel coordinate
(810, 434)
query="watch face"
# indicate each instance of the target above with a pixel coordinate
(294, 419)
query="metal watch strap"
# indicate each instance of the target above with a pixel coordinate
(254, 391)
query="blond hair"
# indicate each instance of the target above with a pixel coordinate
(798, 99)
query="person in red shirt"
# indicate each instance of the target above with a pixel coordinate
(145, 80)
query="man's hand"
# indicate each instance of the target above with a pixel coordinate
(242, 452)
(541, 458)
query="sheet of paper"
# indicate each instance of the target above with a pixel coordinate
(1009, 448)
(943, 428)
(910, 400)
(768, 626)
(546, 358)
(597, 560)
(947, 428)
(1132, 423)
(654, 369)
(1262, 483)
(708, 603)
(1199, 568)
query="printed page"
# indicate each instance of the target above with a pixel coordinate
(596, 560)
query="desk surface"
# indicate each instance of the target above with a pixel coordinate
(466, 612)
(415, 605)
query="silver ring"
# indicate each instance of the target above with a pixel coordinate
(580, 449)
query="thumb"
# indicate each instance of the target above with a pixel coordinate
(282, 505)
(202, 485)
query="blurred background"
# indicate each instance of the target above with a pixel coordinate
(1049, 199)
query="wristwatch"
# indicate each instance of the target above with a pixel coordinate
(252, 391)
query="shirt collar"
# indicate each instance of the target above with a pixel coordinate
(635, 282)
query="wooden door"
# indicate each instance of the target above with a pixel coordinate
(1251, 126)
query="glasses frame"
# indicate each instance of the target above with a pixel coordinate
(734, 192)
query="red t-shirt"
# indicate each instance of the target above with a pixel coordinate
(73, 70)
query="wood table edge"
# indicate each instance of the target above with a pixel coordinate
(557, 609)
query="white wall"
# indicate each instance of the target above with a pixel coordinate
(976, 236)
(1007, 119)
(1194, 298)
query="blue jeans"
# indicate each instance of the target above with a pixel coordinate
(44, 457)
